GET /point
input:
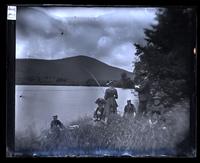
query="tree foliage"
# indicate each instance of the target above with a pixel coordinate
(125, 81)
(169, 46)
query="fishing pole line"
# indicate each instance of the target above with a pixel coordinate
(95, 79)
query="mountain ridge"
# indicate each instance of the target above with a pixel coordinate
(60, 59)
(71, 70)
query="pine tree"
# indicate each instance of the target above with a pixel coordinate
(169, 46)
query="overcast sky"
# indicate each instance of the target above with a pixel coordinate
(107, 34)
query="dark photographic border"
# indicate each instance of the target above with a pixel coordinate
(10, 63)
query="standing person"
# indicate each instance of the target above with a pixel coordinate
(129, 109)
(143, 90)
(111, 105)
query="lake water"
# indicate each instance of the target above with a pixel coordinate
(37, 104)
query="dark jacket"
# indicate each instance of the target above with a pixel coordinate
(143, 90)
(99, 113)
(129, 108)
(111, 92)
(56, 124)
(111, 104)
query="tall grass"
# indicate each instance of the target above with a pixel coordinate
(137, 136)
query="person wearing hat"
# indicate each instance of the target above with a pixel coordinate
(98, 114)
(129, 109)
(143, 90)
(110, 96)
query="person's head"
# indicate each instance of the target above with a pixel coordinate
(55, 117)
(110, 83)
(100, 101)
(128, 101)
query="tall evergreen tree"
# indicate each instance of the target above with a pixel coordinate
(168, 49)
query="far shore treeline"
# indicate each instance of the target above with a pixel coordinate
(122, 83)
(65, 82)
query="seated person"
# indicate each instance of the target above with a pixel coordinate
(55, 123)
(99, 112)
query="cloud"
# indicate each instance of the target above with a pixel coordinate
(122, 56)
(107, 34)
(104, 42)
(30, 21)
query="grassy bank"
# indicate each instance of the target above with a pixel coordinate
(149, 135)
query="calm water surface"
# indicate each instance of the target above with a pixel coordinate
(37, 104)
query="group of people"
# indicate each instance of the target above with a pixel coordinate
(108, 104)
(106, 108)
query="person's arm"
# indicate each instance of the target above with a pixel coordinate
(125, 109)
(95, 113)
(97, 110)
(133, 108)
(51, 125)
(146, 84)
(116, 94)
(106, 95)
(102, 110)
(143, 85)
(60, 124)
(63, 127)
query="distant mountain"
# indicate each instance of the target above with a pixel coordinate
(69, 71)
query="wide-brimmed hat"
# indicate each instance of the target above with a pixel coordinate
(100, 101)
(128, 100)
(109, 83)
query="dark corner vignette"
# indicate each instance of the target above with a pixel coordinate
(10, 96)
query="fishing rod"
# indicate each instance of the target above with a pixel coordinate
(95, 79)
